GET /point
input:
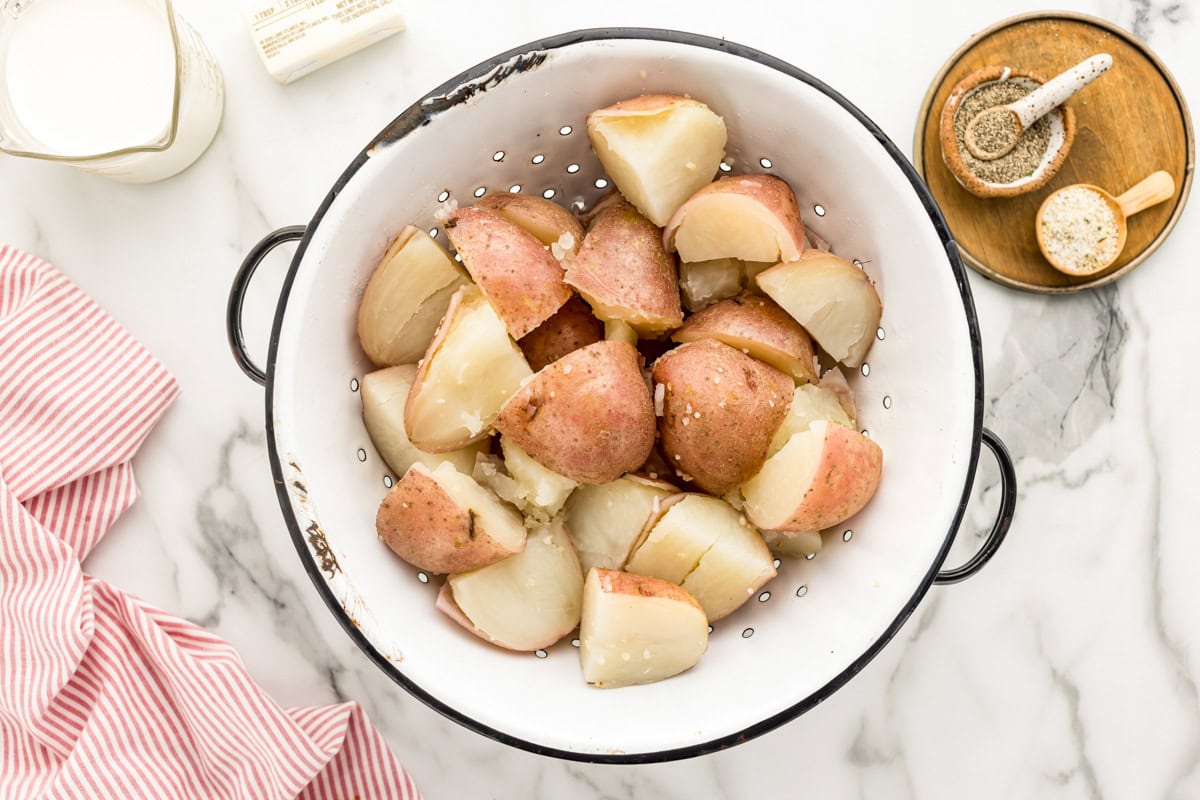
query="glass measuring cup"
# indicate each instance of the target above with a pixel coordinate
(121, 88)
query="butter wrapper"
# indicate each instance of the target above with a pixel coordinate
(296, 37)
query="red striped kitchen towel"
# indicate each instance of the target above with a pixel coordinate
(101, 695)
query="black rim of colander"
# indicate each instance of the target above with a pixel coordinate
(419, 114)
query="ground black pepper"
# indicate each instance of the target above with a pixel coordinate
(1029, 150)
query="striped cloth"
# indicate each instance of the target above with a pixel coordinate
(101, 695)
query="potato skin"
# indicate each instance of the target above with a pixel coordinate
(516, 272)
(720, 410)
(421, 523)
(623, 271)
(588, 416)
(571, 328)
(755, 319)
(543, 218)
(613, 581)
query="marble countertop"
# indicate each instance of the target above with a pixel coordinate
(1068, 668)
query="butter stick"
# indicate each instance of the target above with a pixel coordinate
(296, 37)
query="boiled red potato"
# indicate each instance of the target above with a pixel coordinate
(517, 273)
(636, 629)
(703, 283)
(833, 299)
(406, 297)
(720, 409)
(675, 538)
(732, 571)
(810, 402)
(587, 416)
(571, 327)
(550, 223)
(471, 369)
(526, 602)
(708, 548)
(793, 544)
(747, 217)
(757, 327)
(384, 395)
(658, 149)
(605, 520)
(442, 521)
(624, 273)
(821, 477)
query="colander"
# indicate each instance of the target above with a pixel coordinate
(516, 123)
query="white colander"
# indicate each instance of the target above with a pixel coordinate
(516, 123)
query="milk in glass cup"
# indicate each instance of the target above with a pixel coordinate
(121, 88)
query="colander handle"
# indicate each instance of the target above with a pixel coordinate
(237, 296)
(1008, 502)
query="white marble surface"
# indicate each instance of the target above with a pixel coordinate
(1068, 668)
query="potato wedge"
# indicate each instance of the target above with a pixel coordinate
(405, 298)
(525, 602)
(810, 402)
(605, 520)
(636, 629)
(708, 548)
(442, 521)
(587, 416)
(733, 570)
(674, 541)
(517, 273)
(571, 327)
(757, 327)
(720, 409)
(747, 217)
(546, 220)
(821, 477)
(833, 299)
(384, 394)
(624, 273)
(470, 370)
(658, 149)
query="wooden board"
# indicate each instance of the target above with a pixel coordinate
(1131, 121)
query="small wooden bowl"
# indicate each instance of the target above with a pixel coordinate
(953, 156)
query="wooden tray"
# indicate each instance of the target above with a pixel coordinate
(1131, 121)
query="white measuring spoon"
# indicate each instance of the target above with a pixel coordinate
(1016, 117)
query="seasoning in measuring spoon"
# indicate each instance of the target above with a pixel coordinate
(1030, 148)
(1079, 230)
(995, 130)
